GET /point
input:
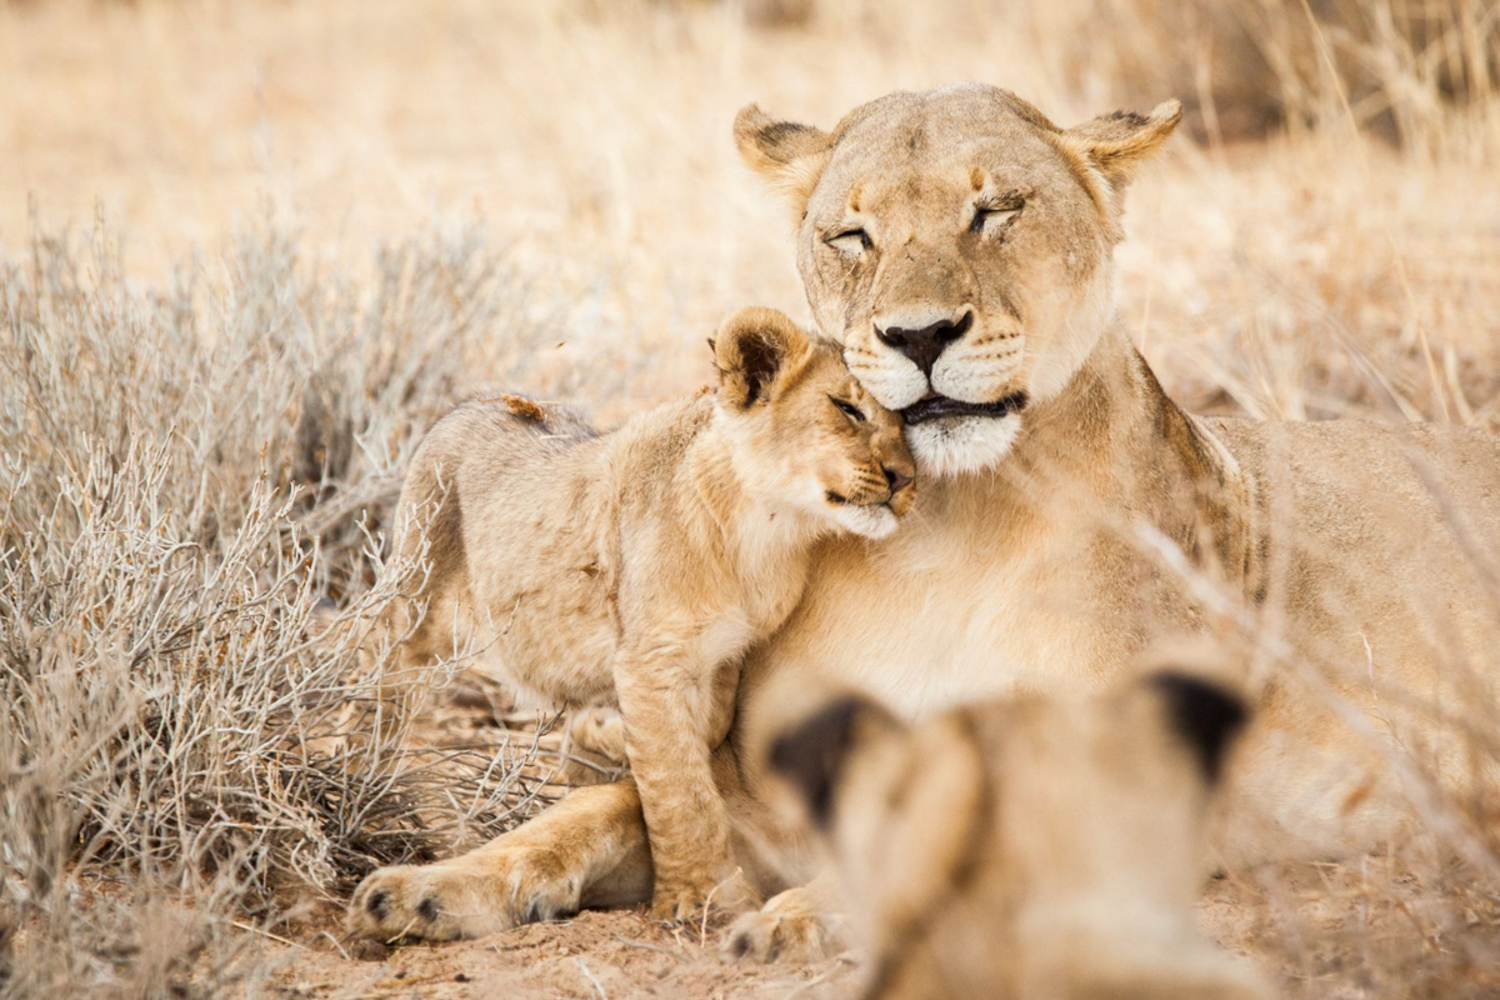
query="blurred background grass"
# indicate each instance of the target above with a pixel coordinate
(1339, 191)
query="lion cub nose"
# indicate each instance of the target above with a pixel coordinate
(896, 479)
(925, 345)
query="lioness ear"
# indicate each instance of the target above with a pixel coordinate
(1118, 143)
(810, 756)
(789, 155)
(1204, 715)
(753, 348)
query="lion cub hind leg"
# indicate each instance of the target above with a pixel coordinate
(598, 730)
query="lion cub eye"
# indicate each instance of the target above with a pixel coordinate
(850, 242)
(848, 409)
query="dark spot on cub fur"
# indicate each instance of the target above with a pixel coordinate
(376, 904)
(427, 909)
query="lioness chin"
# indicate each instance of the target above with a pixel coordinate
(635, 568)
(959, 245)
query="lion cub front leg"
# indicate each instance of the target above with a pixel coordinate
(668, 699)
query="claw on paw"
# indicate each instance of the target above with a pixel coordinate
(467, 897)
(688, 901)
(767, 936)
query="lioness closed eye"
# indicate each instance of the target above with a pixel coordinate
(637, 567)
(1032, 848)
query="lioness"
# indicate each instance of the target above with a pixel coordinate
(960, 246)
(638, 566)
(1032, 847)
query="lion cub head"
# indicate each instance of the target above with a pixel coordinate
(804, 430)
(959, 246)
(1031, 848)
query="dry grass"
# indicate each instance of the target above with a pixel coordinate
(205, 399)
(187, 473)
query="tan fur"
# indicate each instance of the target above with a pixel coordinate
(1020, 848)
(1366, 551)
(1355, 563)
(637, 567)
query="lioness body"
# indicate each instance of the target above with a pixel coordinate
(634, 568)
(960, 246)
(1377, 613)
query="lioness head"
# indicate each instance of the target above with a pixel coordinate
(1024, 848)
(959, 246)
(806, 432)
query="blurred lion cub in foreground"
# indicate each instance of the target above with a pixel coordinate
(637, 567)
(1022, 849)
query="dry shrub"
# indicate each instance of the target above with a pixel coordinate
(186, 473)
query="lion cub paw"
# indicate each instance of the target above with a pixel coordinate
(784, 930)
(681, 900)
(478, 896)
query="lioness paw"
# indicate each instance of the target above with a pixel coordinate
(782, 930)
(476, 895)
(401, 901)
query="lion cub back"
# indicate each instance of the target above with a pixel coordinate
(520, 505)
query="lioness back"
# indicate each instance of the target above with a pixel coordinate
(1374, 539)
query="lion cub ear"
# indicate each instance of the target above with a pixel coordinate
(1204, 714)
(810, 755)
(752, 350)
(789, 155)
(1117, 144)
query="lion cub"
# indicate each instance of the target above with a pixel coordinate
(636, 567)
(1020, 849)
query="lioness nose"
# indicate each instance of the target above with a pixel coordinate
(925, 345)
(896, 479)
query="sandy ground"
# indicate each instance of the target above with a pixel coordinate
(617, 954)
(621, 954)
